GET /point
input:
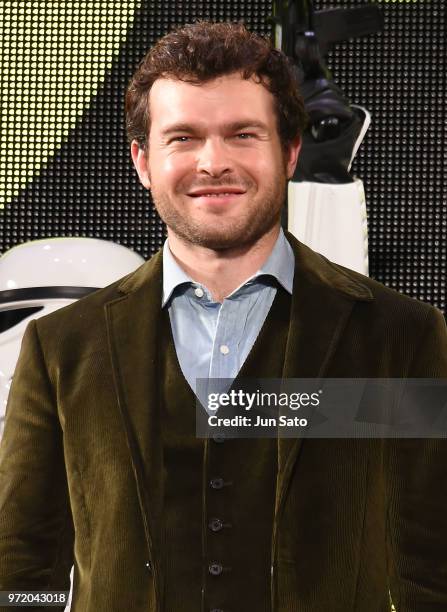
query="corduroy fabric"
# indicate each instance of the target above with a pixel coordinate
(81, 457)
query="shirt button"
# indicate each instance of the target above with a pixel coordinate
(215, 524)
(215, 569)
(217, 483)
(224, 349)
(198, 291)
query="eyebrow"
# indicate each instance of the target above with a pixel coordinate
(234, 126)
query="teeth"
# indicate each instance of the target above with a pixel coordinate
(215, 195)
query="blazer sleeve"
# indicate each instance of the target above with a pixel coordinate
(36, 529)
(417, 496)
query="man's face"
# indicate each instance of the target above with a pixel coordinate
(214, 162)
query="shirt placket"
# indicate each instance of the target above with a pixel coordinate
(225, 353)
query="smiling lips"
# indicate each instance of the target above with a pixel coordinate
(216, 192)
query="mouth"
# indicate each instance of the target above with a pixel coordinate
(216, 201)
(222, 195)
(216, 191)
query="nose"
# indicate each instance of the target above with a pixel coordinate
(213, 158)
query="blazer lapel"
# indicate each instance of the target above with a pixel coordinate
(323, 299)
(132, 325)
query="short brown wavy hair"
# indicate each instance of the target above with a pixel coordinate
(203, 51)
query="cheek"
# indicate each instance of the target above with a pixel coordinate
(173, 172)
(264, 167)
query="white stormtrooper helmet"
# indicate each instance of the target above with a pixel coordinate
(41, 276)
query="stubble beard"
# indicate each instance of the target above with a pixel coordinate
(225, 234)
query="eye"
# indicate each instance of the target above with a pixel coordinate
(181, 139)
(244, 135)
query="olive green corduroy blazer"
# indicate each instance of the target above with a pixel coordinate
(81, 458)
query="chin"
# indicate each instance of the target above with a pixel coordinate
(224, 242)
(216, 243)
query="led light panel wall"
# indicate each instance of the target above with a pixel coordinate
(65, 169)
(400, 75)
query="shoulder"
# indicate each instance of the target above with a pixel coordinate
(391, 304)
(86, 317)
(382, 323)
(375, 297)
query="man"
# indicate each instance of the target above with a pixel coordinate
(100, 464)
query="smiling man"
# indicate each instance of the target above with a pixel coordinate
(100, 465)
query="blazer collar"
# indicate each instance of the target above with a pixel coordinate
(310, 267)
(313, 268)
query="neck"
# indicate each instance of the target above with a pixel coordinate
(222, 271)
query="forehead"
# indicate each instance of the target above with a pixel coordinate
(223, 100)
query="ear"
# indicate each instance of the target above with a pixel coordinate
(140, 162)
(292, 156)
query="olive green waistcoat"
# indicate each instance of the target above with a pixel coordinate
(218, 494)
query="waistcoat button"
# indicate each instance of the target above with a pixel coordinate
(217, 610)
(215, 569)
(216, 483)
(215, 524)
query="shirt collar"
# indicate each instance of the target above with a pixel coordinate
(280, 264)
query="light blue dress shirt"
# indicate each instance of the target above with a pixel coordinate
(213, 339)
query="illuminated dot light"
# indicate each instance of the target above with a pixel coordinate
(54, 56)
